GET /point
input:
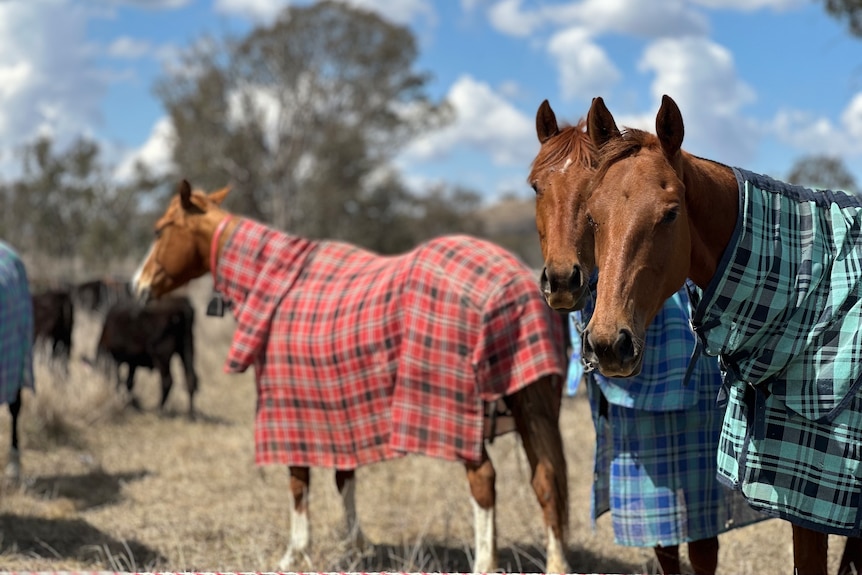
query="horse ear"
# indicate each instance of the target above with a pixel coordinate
(185, 192)
(546, 123)
(218, 196)
(668, 126)
(600, 123)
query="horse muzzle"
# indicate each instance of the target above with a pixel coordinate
(618, 356)
(564, 291)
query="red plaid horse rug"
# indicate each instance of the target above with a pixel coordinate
(360, 357)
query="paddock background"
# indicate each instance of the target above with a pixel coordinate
(109, 489)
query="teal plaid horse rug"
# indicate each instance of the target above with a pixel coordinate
(783, 313)
(16, 326)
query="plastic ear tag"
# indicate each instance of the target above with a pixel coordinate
(215, 307)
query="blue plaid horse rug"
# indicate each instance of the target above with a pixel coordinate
(783, 312)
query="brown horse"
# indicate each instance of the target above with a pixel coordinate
(560, 171)
(560, 176)
(196, 236)
(775, 277)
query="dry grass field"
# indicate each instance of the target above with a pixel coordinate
(109, 488)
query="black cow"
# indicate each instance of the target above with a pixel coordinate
(101, 293)
(53, 322)
(149, 336)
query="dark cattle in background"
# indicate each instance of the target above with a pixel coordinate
(53, 321)
(149, 336)
(101, 293)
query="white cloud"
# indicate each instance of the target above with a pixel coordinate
(128, 48)
(644, 19)
(400, 11)
(701, 78)
(812, 134)
(156, 153)
(485, 122)
(48, 82)
(752, 5)
(851, 118)
(260, 10)
(152, 4)
(584, 68)
(508, 17)
(636, 17)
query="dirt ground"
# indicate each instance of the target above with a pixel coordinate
(109, 488)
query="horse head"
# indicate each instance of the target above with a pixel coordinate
(636, 208)
(559, 175)
(181, 249)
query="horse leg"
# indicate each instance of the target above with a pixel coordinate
(300, 533)
(345, 480)
(167, 382)
(130, 384)
(536, 409)
(13, 467)
(668, 558)
(851, 559)
(703, 555)
(191, 384)
(482, 479)
(809, 551)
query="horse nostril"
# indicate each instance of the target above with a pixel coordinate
(576, 279)
(544, 284)
(624, 346)
(587, 345)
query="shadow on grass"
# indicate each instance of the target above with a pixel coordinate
(73, 539)
(86, 490)
(427, 557)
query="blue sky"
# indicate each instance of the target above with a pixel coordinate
(760, 82)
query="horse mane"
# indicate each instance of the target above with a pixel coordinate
(615, 149)
(571, 143)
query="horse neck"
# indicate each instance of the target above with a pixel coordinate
(223, 225)
(258, 257)
(712, 203)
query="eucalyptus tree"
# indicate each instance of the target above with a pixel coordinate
(303, 115)
(821, 171)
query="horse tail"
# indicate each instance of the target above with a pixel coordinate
(536, 408)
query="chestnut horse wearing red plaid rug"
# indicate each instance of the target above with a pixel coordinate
(361, 358)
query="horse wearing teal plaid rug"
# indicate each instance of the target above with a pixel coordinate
(361, 358)
(16, 344)
(776, 280)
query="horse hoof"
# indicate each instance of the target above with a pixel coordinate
(291, 560)
(13, 468)
(359, 542)
(557, 565)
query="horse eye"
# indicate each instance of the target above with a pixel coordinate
(158, 233)
(591, 221)
(670, 216)
(535, 187)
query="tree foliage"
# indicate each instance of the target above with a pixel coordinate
(847, 11)
(303, 117)
(825, 172)
(65, 205)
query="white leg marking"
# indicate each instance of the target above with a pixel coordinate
(300, 541)
(13, 466)
(556, 555)
(485, 554)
